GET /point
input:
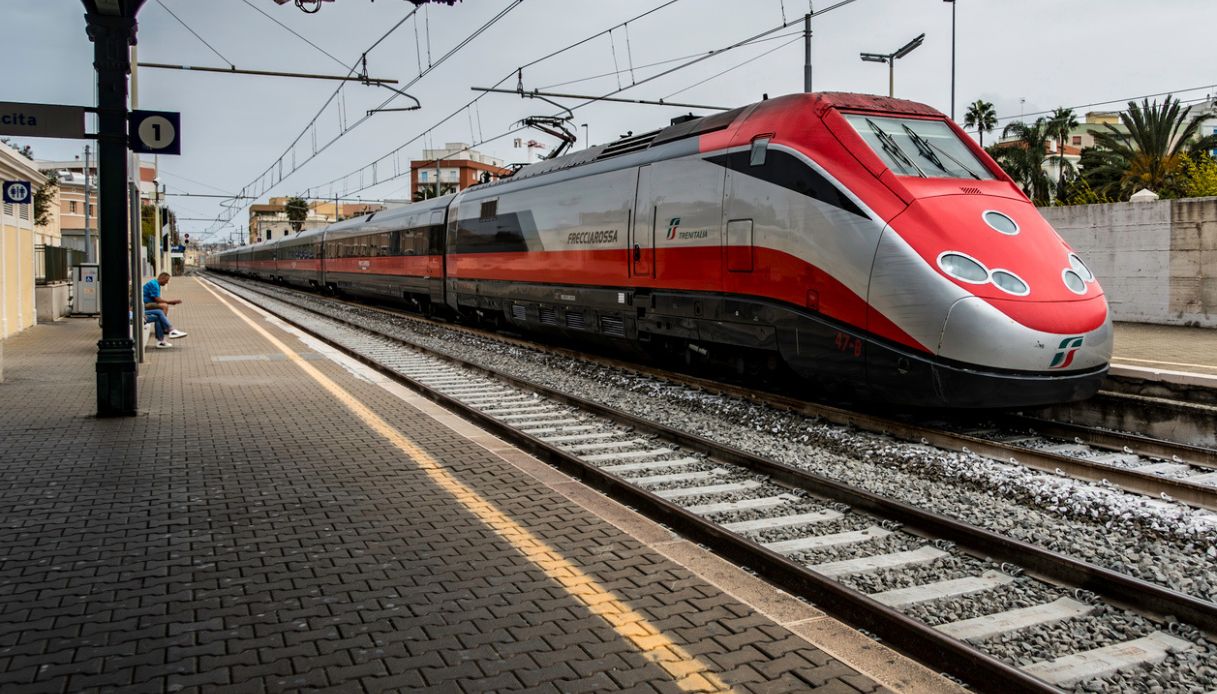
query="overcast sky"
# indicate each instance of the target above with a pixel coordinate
(1024, 56)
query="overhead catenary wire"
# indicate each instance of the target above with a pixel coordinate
(511, 74)
(1118, 101)
(699, 58)
(666, 61)
(733, 67)
(162, 171)
(292, 31)
(629, 51)
(514, 72)
(195, 33)
(1115, 101)
(616, 67)
(233, 210)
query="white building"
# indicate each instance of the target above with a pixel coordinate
(17, 247)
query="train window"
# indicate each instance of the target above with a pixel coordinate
(435, 246)
(759, 146)
(916, 147)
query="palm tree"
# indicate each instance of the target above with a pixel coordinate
(297, 211)
(981, 116)
(1023, 157)
(1149, 154)
(1063, 121)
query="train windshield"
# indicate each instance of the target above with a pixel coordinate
(913, 147)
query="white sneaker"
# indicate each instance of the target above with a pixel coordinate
(177, 333)
(163, 345)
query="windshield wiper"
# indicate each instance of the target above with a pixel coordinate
(892, 147)
(923, 147)
(926, 148)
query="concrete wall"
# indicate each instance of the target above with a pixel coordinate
(51, 301)
(1157, 261)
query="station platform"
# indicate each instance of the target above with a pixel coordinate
(1167, 348)
(279, 518)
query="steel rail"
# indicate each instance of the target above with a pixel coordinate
(910, 636)
(1127, 479)
(1118, 441)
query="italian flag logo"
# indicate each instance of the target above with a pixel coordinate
(1065, 351)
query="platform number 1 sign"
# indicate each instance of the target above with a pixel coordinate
(154, 132)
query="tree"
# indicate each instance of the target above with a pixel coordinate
(1102, 170)
(1078, 192)
(147, 228)
(297, 212)
(24, 150)
(1197, 176)
(1063, 121)
(1149, 155)
(981, 116)
(426, 191)
(1023, 158)
(43, 197)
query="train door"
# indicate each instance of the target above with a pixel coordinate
(436, 260)
(739, 254)
(642, 230)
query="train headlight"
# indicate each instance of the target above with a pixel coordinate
(1000, 222)
(1074, 281)
(963, 268)
(1080, 268)
(1010, 283)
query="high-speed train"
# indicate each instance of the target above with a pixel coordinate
(858, 239)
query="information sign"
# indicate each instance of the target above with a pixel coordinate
(41, 120)
(154, 132)
(18, 192)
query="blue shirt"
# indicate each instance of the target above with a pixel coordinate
(152, 291)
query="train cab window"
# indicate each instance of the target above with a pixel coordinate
(759, 146)
(918, 147)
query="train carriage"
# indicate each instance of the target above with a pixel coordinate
(393, 255)
(855, 238)
(298, 259)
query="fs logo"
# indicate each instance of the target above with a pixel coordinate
(1064, 356)
(672, 225)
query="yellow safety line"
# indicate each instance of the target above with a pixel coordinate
(689, 673)
(1168, 363)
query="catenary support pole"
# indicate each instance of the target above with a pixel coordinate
(111, 35)
(89, 256)
(953, 3)
(807, 53)
(137, 228)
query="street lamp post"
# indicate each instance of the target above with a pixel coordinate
(891, 58)
(110, 25)
(952, 57)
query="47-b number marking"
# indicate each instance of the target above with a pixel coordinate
(848, 344)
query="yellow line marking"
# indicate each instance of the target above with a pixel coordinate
(689, 673)
(1168, 363)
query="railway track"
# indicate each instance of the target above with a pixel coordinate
(995, 612)
(1152, 467)
(1172, 405)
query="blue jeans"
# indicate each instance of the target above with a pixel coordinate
(159, 322)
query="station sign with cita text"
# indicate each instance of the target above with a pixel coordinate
(42, 120)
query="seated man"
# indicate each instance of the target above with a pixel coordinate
(155, 308)
(160, 323)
